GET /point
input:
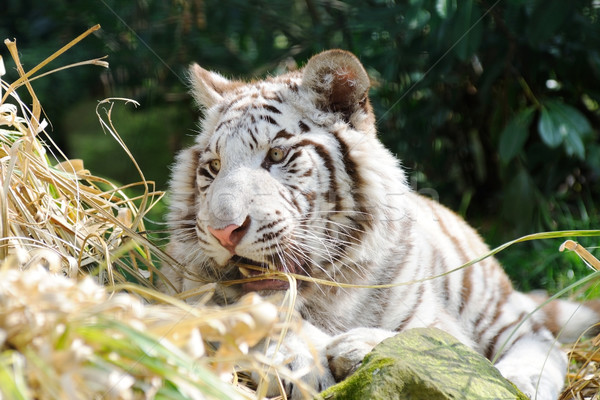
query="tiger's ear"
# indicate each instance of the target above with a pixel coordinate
(208, 87)
(339, 82)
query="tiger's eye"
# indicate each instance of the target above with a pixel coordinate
(276, 154)
(214, 166)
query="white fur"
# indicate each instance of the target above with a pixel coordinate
(341, 211)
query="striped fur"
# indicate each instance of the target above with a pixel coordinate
(289, 172)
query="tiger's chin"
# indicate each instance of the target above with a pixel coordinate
(265, 285)
(261, 275)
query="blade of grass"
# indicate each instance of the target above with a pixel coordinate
(12, 376)
(25, 76)
(536, 236)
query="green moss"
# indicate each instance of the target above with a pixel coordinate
(361, 381)
(423, 364)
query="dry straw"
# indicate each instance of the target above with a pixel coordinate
(583, 378)
(75, 268)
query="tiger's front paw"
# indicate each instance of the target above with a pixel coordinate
(305, 373)
(346, 351)
(314, 381)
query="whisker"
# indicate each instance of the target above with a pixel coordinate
(324, 250)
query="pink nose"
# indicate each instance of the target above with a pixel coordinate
(231, 235)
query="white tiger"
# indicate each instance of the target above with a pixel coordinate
(288, 173)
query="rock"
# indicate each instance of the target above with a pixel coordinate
(426, 364)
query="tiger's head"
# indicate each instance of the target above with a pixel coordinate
(285, 173)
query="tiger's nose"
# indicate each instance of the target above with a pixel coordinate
(231, 235)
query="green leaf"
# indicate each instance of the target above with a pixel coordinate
(514, 135)
(445, 8)
(560, 123)
(468, 29)
(13, 381)
(547, 18)
(593, 157)
(574, 145)
(161, 358)
(417, 17)
(519, 199)
(574, 120)
(548, 130)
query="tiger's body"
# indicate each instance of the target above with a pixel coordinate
(288, 173)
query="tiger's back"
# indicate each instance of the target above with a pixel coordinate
(288, 174)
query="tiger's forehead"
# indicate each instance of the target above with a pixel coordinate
(253, 115)
(271, 93)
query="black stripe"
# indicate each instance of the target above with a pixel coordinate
(268, 249)
(223, 108)
(308, 173)
(272, 96)
(196, 154)
(292, 158)
(412, 313)
(223, 123)
(271, 108)
(283, 134)
(205, 173)
(466, 289)
(270, 235)
(489, 350)
(498, 304)
(310, 198)
(268, 119)
(364, 217)
(252, 132)
(291, 202)
(270, 225)
(328, 161)
(303, 127)
(184, 224)
(381, 296)
(218, 145)
(201, 240)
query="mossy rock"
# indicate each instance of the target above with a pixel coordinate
(424, 364)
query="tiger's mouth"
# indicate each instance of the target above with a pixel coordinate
(253, 269)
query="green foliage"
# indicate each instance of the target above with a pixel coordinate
(514, 135)
(563, 124)
(492, 104)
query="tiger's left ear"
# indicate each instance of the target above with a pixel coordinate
(208, 88)
(339, 82)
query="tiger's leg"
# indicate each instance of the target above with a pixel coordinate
(529, 355)
(347, 350)
(536, 365)
(303, 352)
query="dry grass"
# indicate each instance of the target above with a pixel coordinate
(76, 220)
(583, 379)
